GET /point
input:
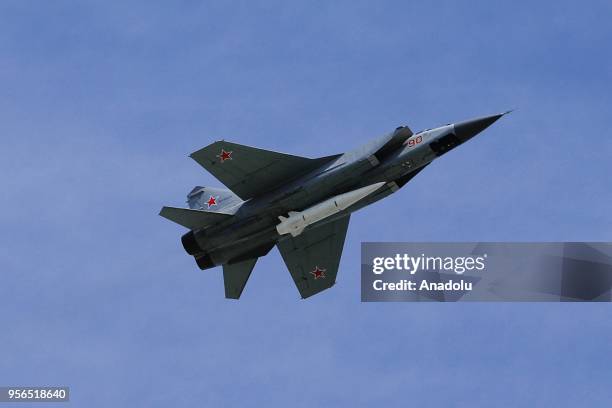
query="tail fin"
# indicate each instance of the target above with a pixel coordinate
(217, 200)
(235, 277)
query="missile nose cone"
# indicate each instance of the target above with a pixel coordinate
(470, 128)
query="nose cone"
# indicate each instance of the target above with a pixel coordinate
(470, 128)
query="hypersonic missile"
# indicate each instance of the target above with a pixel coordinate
(297, 221)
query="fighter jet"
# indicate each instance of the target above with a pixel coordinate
(298, 204)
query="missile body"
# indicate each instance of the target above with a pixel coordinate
(297, 221)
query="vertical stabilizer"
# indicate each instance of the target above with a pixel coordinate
(235, 277)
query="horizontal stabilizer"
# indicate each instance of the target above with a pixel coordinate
(235, 277)
(192, 219)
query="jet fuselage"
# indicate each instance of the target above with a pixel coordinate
(252, 232)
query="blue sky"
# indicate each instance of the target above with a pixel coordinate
(100, 105)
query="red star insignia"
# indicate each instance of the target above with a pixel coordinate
(211, 201)
(223, 156)
(318, 273)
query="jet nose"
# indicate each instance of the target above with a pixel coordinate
(470, 128)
